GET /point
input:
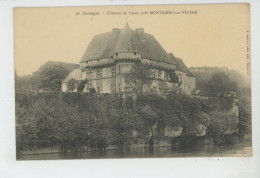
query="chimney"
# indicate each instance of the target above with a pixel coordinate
(140, 30)
(115, 30)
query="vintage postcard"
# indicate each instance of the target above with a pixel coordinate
(132, 81)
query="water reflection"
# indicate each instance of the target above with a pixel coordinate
(241, 149)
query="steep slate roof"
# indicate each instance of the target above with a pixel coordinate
(75, 74)
(125, 40)
(180, 66)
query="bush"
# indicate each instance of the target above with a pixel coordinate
(222, 123)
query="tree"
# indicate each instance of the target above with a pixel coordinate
(203, 74)
(139, 79)
(122, 125)
(72, 84)
(26, 136)
(24, 82)
(49, 77)
(45, 130)
(221, 123)
(244, 119)
(149, 117)
(92, 91)
(173, 77)
(16, 79)
(81, 85)
(129, 102)
(219, 83)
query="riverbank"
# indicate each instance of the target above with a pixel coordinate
(174, 150)
(243, 149)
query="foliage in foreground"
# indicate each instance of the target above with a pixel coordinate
(73, 121)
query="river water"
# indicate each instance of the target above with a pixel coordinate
(239, 149)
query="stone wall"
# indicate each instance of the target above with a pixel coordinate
(110, 78)
(188, 84)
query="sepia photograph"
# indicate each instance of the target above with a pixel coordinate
(147, 81)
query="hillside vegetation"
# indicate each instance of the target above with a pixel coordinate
(48, 77)
(75, 121)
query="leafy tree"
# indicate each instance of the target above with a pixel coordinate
(221, 123)
(98, 134)
(81, 85)
(26, 132)
(219, 83)
(24, 82)
(21, 143)
(244, 116)
(172, 76)
(16, 79)
(92, 91)
(72, 84)
(49, 77)
(45, 130)
(129, 102)
(139, 79)
(122, 125)
(149, 116)
(169, 114)
(203, 74)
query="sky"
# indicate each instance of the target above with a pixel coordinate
(201, 35)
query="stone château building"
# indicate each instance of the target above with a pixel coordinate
(110, 56)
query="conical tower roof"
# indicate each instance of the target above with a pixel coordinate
(126, 26)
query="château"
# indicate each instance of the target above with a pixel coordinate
(110, 56)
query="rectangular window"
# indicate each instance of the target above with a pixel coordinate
(119, 69)
(154, 74)
(113, 88)
(119, 87)
(159, 74)
(113, 71)
(166, 76)
(99, 73)
(99, 87)
(89, 84)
